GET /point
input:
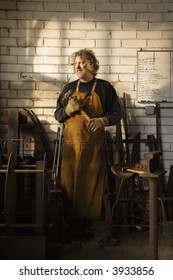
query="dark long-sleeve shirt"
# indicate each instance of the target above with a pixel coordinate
(108, 97)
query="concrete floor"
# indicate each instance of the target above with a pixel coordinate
(133, 246)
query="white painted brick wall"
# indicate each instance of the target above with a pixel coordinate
(38, 37)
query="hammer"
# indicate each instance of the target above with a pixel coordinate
(127, 169)
(83, 113)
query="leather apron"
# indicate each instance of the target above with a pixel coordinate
(83, 166)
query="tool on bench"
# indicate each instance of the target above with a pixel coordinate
(137, 168)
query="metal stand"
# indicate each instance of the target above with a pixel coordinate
(151, 171)
(153, 175)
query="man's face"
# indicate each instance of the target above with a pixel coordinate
(81, 69)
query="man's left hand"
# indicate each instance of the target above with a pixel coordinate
(97, 123)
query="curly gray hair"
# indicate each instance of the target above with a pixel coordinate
(89, 56)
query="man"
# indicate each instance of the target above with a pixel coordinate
(84, 162)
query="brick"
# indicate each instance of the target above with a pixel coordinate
(108, 25)
(82, 7)
(30, 24)
(66, 69)
(61, 78)
(123, 16)
(8, 93)
(134, 43)
(24, 85)
(45, 68)
(57, 25)
(108, 7)
(12, 68)
(29, 68)
(149, 17)
(7, 5)
(167, 34)
(167, 121)
(26, 15)
(30, 42)
(130, 7)
(31, 76)
(59, 7)
(5, 50)
(104, 69)
(108, 60)
(77, 17)
(85, 25)
(48, 51)
(73, 34)
(9, 76)
(167, 155)
(47, 33)
(22, 51)
(20, 102)
(55, 60)
(160, 43)
(31, 6)
(2, 14)
(128, 61)
(4, 32)
(98, 34)
(124, 34)
(122, 69)
(161, 26)
(4, 85)
(127, 78)
(41, 103)
(149, 34)
(68, 51)
(103, 51)
(97, 16)
(30, 60)
(8, 42)
(8, 23)
(167, 16)
(21, 33)
(124, 87)
(135, 26)
(45, 15)
(82, 43)
(96, 1)
(109, 77)
(160, 7)
(108, 43)
(48, 42)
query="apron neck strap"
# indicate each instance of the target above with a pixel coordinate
(93, 87)
(77, 87)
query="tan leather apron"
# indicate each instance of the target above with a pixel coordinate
(83, 167)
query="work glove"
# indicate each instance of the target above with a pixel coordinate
(74, 105)
(96, 123)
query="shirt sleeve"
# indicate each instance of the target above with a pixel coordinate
(114, 111)
(110, 102)
(60, 113)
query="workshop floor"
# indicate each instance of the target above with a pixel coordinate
(133, 246)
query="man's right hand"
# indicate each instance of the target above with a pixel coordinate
(74, 105)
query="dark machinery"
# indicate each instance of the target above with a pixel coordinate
(24, 176)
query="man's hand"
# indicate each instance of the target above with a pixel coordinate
(74, 105)
(97, 123)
